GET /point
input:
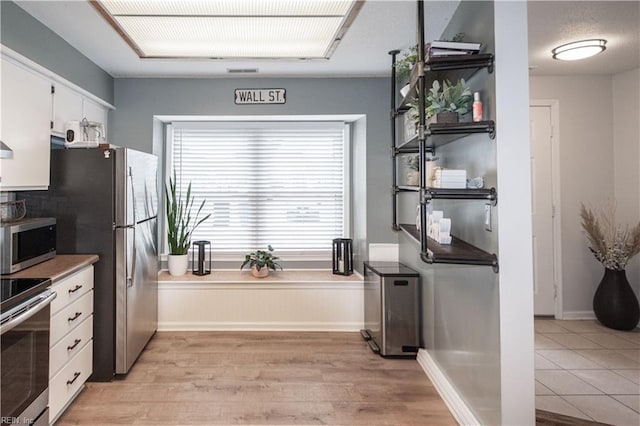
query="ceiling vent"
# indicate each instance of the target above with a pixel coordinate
(242, 70)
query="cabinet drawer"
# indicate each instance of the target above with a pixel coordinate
(68, 381)
(70, 345)
(72, 288)
(70, 317)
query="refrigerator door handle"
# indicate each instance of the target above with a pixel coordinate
(131, 257)
(133, 196)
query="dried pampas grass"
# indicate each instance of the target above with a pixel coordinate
(612, 245)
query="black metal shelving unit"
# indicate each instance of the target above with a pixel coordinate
(428, 138)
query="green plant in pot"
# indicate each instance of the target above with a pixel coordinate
(182, 221)
(260, 261)
(444, 103)
(413, 174)
(614, 302)
(405, 65)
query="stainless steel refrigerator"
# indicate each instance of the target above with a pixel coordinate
(105, 202)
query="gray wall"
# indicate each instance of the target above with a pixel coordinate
(139, 100)
(461, 304)
(26, 35)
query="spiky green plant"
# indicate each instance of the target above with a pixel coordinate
(181, 222)
(261, 259)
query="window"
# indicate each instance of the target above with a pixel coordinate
(278, 183)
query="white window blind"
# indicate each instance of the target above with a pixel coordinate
(264, 183)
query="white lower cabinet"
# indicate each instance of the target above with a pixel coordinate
(64, 386)
(71, 340)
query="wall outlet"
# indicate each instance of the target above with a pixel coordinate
(487, 217)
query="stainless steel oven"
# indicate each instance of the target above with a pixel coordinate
(24, 337)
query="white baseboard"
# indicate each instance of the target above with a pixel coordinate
(260, 326)
(459, 409)
(578, 315)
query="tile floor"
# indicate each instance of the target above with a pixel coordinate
(588, 371)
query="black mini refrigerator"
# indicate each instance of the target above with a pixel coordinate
(391, 309)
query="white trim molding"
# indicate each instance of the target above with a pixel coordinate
(578, 315)
(554, 105)
(459, 409)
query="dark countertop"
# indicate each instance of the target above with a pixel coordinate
(57, 268)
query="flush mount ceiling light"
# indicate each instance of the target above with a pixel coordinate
(579, 49)
(232, 29)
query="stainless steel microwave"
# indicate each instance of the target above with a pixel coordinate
(26, 243)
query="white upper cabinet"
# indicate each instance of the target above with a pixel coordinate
(94, 112)
(69, 105)
(25, 128)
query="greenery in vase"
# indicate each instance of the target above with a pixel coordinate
(612, 245)
(261, 259)
(406, 64)
(445, 98)
(181, 222)
(413, 162)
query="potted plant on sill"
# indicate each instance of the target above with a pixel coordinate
(181, 223)
(260, 262)
(444, 103)
(614, 302)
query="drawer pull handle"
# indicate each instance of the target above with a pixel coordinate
(75, 343)
(75, 317)
(76, 288)
(75, 377)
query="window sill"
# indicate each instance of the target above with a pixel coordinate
(219, 279)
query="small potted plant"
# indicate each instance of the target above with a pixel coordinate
(445, 103)
(614, 301)
(404, 66)
(260, 262)
(181, 223)
(413, 174)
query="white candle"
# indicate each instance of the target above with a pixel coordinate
(340, 265)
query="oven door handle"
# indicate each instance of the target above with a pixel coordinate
(9, 325)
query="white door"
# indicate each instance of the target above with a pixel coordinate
(542, 210)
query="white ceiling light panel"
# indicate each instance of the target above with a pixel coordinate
(229, 7)
(232, 28)
(231, 37)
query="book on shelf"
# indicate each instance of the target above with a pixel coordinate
(450, 48)
(431, 53)
(455, 45)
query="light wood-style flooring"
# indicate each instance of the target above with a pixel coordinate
(262, 378)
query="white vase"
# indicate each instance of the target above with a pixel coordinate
(263, 272)
(178, 264)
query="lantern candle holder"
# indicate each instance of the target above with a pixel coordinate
(342, 256)
(199, 264)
